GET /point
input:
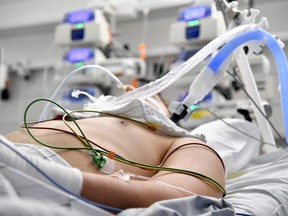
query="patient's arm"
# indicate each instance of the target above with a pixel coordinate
(125, 194)
(134, 193)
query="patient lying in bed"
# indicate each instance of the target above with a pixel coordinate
(135, 142)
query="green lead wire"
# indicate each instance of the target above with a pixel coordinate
(99, 156)
(99, 159)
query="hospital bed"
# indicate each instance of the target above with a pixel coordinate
(257, 182)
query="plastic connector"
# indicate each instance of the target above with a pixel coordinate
(109, 166)
(99, 160)
(178, 110)
(75, 93)
(122, 175)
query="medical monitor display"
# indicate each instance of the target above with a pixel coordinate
(79, 55)
(194, 13)
(77, 34)
(192, 32)
(80, 16)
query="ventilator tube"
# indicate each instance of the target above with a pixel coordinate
(204, 83)
(160, 84)
(240, 40)
(279, 57)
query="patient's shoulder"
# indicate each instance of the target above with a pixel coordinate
(196, 147)
(195, 155)
(182, 140)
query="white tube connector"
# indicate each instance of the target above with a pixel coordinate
(75, 93)
(204, 83)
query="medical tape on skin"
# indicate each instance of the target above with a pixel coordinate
(152, 126)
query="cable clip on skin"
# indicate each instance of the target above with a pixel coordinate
(111, 155)
(152, 126)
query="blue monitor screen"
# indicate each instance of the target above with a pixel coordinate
(77, 34)
(192, 32)
(80, 16)
(194, 12)
(79, 55)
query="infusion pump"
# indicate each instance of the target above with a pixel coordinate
(84, 27)
(197, 25)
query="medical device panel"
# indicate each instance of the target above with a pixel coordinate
(83, 56)
(197, 24)
(83, 27)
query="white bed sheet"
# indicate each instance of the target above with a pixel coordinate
(260, 188)
(235, 148)
(260, 183)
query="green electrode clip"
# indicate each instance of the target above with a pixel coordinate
(99, 160)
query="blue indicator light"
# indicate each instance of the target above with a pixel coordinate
(193, 107)
(80, 16)
(194, 12)
(79, 55)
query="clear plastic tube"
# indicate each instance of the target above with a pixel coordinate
(73, 73)
(227, 49)
(282, 68)
(158, 85)
(279, 57)
(205, 82)
(254, 35)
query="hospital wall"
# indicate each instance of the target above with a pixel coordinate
(32, 45)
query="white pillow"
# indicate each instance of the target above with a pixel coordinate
(235, 148)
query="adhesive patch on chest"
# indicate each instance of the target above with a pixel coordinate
(109, 166)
